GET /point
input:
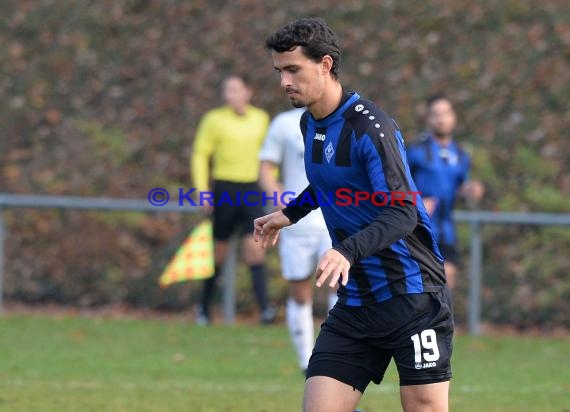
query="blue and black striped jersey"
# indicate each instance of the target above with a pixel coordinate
(356, 165)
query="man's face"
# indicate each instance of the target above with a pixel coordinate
(441, 118)
(236, 93)
(302, 79)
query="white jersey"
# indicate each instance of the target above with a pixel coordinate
(284, 146)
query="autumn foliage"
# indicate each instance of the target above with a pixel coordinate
(102, 98)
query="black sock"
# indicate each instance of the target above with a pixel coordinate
(259, 285)
(208, 291)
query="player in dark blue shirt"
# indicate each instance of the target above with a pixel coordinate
(393, 299)
(440, 169)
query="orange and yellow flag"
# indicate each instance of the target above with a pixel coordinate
(194, 259)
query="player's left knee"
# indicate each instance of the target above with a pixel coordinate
(425, 405)
(253, 257)
(426, 398)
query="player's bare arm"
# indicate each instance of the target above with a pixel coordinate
(268, 181)
(430, 203)
(473, 190)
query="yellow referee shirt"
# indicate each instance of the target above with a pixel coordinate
(233, 141)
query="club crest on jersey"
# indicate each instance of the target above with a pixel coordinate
(320, 136)
(329, 151)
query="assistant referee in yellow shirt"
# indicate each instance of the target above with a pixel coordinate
(231, 137)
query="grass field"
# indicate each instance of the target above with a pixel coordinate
(64, 364)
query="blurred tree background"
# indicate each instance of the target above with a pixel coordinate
(102, 98)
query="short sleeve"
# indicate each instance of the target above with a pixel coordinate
(465, 167)
(272, 149)
(204, 144)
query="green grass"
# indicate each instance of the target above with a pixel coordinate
(84, 364)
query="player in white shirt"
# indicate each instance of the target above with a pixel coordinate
(300, 245)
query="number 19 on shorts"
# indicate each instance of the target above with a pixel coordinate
(426, 352)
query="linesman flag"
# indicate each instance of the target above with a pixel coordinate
(194, 259)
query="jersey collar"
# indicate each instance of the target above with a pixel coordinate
(348, 98)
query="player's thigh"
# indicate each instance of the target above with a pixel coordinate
(325, 394)
(221, 248)
(249, 211)
(324, 243)
(296, 254)
(431, 397)
(301, 291)
(343, 350)
(252, 251)
(224, 222)
(423, 352)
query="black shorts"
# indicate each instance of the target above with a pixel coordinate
(232, 210)
(355, 344)
(449, 252)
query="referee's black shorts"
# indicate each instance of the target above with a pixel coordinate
(234, 210)
(355, 344)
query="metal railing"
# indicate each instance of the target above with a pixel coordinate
(15, 201)
(476, 220)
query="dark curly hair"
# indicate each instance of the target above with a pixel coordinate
(316, 37)
(436, 98)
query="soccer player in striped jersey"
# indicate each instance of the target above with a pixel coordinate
(393, 298)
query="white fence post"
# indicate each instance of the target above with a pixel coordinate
(475, 274)
(229, 277)
(2, 255)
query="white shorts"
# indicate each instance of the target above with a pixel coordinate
(301, 253)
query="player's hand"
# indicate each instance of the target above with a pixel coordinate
(266, 228)
(332, 265)
(207, 209)
(430, 204)
(474, 190)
